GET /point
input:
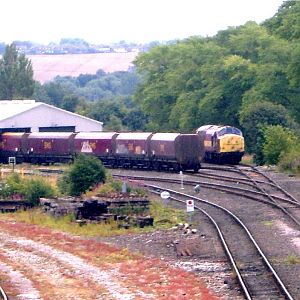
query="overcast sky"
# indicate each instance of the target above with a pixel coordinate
(105, 21)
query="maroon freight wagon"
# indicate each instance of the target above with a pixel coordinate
(12, 145)
(50, 147)
(100, 144)
(176, 151)
(132, 149)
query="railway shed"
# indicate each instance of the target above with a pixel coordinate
(32, 116)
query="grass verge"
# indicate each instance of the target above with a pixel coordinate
(164, 217)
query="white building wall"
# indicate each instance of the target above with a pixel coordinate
(48, 116)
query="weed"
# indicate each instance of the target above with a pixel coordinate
(292, 259)
(268, 223)
(164, 217)
(247, 159)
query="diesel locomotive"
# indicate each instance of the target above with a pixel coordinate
(159, 151)
(222, 144)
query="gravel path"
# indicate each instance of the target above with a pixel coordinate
(37, 263)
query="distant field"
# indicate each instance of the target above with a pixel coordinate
(46, 67)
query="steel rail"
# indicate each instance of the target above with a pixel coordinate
(234, 168)
(266, 261)
(277, 185)
(225, 246)
(3, 294)
(270, 197)
(225, 189)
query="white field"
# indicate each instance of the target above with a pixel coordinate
(46, 67)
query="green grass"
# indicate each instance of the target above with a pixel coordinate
(292, 259)
(67, 224)
(268, 223)
(165, 216)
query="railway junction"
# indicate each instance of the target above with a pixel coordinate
(269, 212)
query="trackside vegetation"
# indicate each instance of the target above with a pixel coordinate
(86, 177)
(28, 189)
(164, 218)
(85, 173)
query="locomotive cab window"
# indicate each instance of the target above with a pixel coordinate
(222, 132)
(237, 131)
(229, 130)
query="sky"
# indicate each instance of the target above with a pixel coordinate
(138, 21)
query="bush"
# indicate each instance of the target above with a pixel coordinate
(290, 161)
(85, 173)
(28, 189)
(12, 186)
(278, 140)
(36, 189)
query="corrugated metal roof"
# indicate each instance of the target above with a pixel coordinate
(10, 108)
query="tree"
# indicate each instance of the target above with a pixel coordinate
(227, 81)
(113, 124)
(290, 160)
(16, 75)
(40, 93)
(286, 22)
(70, 102)
(56, 92)
(256, 115)
(135, 119)
(103, 110)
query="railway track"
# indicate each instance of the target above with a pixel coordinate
(266, 189)
(287, 205)
(249, 263)
(250, 175)
(239, 183)
(3, 294)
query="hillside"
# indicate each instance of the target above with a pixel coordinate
(46, 67)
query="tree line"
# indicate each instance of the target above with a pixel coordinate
(246, 76)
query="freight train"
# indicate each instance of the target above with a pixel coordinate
(211, 143)
(222, 144)
(159, 151)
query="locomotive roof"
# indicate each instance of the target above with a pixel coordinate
(211, 129)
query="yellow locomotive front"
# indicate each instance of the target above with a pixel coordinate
(223, 144)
